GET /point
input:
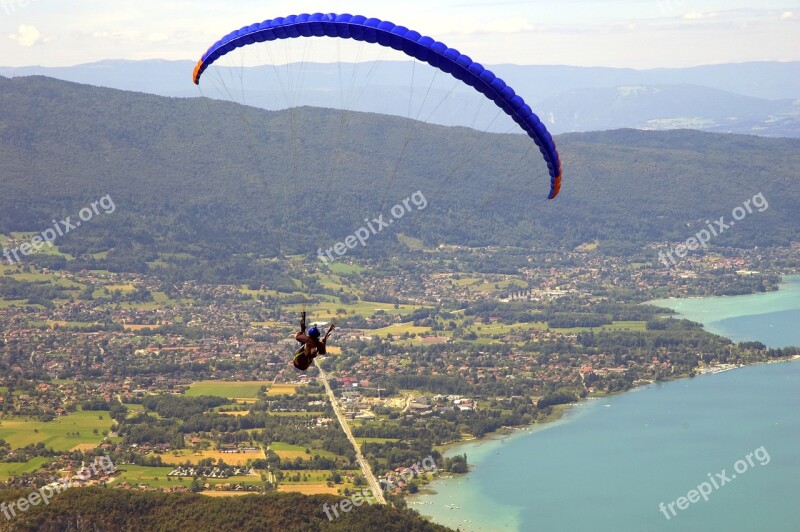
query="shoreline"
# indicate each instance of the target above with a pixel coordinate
(563, 411)
(784, 276)
(418, 501)
(422, 503)
(560, 414)
(778, 301)
(503, 433)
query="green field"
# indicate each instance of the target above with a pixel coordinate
(34, 277)
(326, 311)
(399, 329)
(26, 237)
(636, 326)
(152, 476)
(345, 269)
(12, 303)
(15, 469)
(312, 476)
(362, 441)
(160, 300)
(411, 242)
(467, 281)
(231, 390)
(335, 282)
(290, 452)
(61, 434)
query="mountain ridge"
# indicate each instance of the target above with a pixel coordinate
(221, 180)
(766, 103)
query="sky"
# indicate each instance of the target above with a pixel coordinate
(615, 33)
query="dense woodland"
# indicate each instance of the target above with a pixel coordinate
(213, 182)
(93, 509)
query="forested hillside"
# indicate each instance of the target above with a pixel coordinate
(217, 180)
(94, 509)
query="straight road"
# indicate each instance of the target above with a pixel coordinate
(365, 468)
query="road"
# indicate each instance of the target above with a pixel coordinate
(365, 468)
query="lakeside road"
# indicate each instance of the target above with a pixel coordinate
(365, 468)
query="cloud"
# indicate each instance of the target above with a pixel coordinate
(461, 25)
(787, 15)
(28, 36)
(510, 25)
(694, 15)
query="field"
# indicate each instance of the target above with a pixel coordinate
(399, 329)
(362, 441)
(335, 282)
(307, 476)
(636, 326)
(290, 452)
(119, 287)
(69, 324)
(411, 242)
(309, 489)
(282, 389)
(230, 390)
(26, 237)
(342, 268)
(84, 447)
(181, 456)
(312, 482)
(327, 311)
(152, 476)
(129, 327)
(61, 434)
(15, 469)
(160, 300)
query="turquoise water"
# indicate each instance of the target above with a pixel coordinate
(770, 318)
(610, 463)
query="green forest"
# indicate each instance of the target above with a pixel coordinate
(106, 509)
(214, 186)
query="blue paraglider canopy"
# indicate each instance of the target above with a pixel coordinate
(411, 43)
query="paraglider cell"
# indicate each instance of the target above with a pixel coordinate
(476, 69)
(464, 61)
(515, 102)
(398, 38)
(343, 30)
(293, 32)
(498, 85)
(507, 93)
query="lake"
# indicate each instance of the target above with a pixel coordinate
(611, 463)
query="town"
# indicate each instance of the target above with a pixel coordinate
(188, 387)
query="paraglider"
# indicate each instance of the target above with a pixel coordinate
(426, 49)
(311, 344)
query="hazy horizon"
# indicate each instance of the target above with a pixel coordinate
(614, 33)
